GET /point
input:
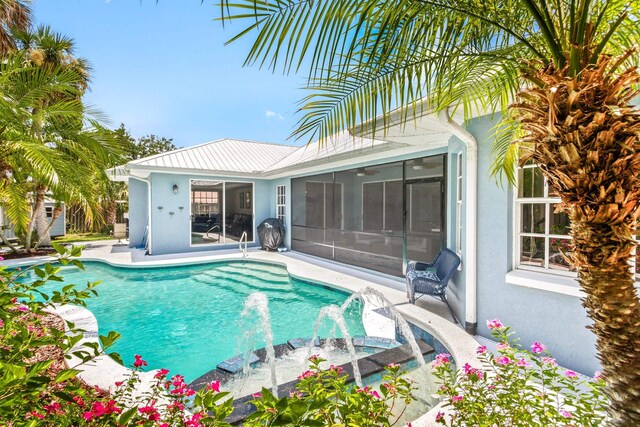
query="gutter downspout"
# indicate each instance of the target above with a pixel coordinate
(471, 219)
(150, 236)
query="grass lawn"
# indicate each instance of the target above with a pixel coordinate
(82, 237)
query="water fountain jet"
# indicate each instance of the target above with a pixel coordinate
(259, 302)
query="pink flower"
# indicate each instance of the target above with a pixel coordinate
(457, 398)
(1, 323)
(598, 375)
(176, 405)
(177, 380)
(566, 414)
(295, 394)
(194, 421)
(119, 383)
(315, 358)
(503, 360)
(441, 359)
(34, 414)
(214, 386)
(482, 349)
(502, 346)
(88, 415)
(306, 374)
(468, 370)
(549, 361)
(538, 348)
(494, 324)
(336, 369)
(393, 366)
(439, 416)
(257, 395)
(139, 362)
(161, 374)
(375, 394)
(53, 408)
(570, 374)
(23, 307)
(522, 363)
(1, 259)
(79, 401)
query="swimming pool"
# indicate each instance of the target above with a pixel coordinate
(187, 319)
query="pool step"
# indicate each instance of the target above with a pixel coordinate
(239, 286)
(248, 280)
(269, 276)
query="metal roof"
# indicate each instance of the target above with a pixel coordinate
(223, 155)
(343, 143)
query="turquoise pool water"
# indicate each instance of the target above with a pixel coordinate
(187, 319)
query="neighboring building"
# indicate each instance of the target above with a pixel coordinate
(57, 229)
(376, 204)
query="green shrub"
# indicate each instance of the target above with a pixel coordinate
(517, 387)
(324, 398)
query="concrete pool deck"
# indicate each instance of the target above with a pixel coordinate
(428, 314)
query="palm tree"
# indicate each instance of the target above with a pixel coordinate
(570, 65)
(47, 143)
(51, 52)
(14, 14)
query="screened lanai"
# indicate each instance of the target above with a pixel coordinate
(375, 217)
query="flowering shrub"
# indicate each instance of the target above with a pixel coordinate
(323, 398)
(36, 389)
(517, 387)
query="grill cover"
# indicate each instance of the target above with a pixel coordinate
(271, 234)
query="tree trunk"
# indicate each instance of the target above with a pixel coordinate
(7, 243)
(603, 252)
(37, 206)
(57, 211)
(42, 223)
(584, 135)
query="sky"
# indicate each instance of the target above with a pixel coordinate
(162, 68)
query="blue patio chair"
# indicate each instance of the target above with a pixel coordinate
(432, 278)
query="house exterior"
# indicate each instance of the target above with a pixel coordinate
(57, 229)
(376, 202)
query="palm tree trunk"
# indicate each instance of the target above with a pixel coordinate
(7, 243)
(42, 224)
(37, 206)
(585, 138)
(603, 251)
(46, 237)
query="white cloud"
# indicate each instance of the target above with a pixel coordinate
(272, 114)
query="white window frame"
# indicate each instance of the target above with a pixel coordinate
(547, 201)
(281, 198)
(459, 198)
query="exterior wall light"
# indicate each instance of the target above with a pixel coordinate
(175, 188)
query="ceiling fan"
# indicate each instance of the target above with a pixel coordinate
(419, 164)
(366, 172)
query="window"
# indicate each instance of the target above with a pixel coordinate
(280, 202)
(382, 206)
(459, 206)
(542, 234)
(221, 212)
(49, 211)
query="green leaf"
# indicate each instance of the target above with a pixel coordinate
(116, 356)
(38, 367)
(109, 339)
(14, 371)
(66, 374)
(58, 248)
(127, 415)
(39, 272)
